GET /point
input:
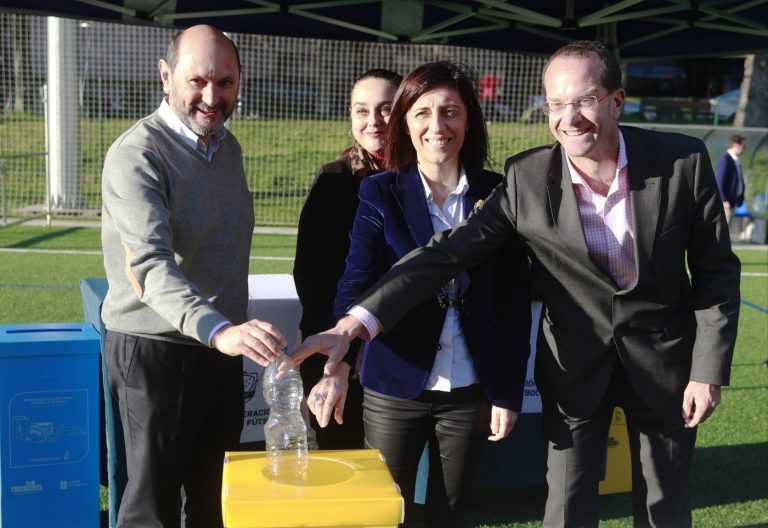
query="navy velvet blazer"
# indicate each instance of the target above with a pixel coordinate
(393, 219)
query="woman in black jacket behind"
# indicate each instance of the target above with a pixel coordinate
(323, 237)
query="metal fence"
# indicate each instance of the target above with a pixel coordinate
(291, 116)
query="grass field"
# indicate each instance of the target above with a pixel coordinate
(40, 269)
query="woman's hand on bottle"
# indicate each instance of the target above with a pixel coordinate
(328, 396)
(502, 422)
(334, 343)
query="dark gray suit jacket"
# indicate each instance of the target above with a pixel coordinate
(670, 328)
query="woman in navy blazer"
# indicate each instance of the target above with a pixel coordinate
(452, 371)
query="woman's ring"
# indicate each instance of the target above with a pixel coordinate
(319, 397)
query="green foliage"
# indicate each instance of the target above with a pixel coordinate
(758, 177)
(281, 158)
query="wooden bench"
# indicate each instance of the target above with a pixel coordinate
(678, 109)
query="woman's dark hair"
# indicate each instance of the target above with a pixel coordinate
(399, 150)
(610, 78)
(379, 73)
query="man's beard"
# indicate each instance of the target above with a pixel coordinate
(206, 131)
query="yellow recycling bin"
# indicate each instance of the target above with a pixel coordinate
(349, 488)
(618, 470)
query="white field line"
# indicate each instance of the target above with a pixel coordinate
(98, 253)
(253, 257)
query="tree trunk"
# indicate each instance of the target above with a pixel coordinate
(753, 103)
(20, 54)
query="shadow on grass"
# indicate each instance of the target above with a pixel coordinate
(730, 474)
(44, 237)
(507, 505)
(721, 476)
(525, 505)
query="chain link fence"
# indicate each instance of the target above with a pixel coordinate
(291, 117)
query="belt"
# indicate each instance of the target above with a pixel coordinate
(446, 302)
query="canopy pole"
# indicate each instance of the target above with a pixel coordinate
(62, 124)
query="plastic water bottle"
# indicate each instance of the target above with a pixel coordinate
(285, 433)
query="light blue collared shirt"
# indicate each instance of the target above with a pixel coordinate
(453, 366)
(169, 117)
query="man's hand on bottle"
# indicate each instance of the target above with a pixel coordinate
(257, 340)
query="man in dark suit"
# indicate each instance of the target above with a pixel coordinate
(609, 216)
(728, 175)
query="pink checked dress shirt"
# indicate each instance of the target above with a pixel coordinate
(607, 223)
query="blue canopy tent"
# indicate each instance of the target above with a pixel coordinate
(637, 29)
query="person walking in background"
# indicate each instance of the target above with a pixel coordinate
(322, 243)
(177, 224)
(489, 85)
(729, 178)
(452, 371)
(613, 219)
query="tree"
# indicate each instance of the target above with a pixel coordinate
(753, 102)
(20, 54)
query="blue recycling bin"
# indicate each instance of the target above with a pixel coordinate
(49, 424)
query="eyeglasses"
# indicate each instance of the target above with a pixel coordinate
(588, 101)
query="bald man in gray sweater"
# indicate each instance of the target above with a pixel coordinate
(176, 233)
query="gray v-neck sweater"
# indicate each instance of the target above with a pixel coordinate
(176, 235)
